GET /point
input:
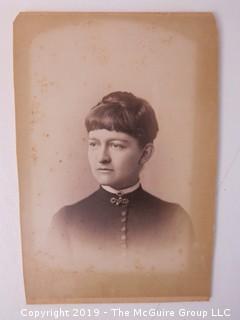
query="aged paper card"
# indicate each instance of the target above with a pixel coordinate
(91, 230)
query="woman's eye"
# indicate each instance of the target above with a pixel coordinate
(92, 144)
(117, 146)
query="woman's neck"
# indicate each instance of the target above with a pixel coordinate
(122, 191)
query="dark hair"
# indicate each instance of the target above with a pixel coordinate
(124, 112)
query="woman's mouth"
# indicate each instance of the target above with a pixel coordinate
(104, 169)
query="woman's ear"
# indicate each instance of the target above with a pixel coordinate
(147, 152)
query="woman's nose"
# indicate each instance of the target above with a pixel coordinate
(104, 156)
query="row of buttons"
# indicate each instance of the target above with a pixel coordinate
(120, 201)
(124, 229)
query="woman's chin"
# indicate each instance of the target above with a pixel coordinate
(104, 180)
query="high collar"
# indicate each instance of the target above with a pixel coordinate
(121, 191)
(119, 199)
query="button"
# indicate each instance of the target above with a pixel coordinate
(123, 213)
(123, 229)
(123, 237)
(123, 219)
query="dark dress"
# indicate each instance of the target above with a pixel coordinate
(123, 233)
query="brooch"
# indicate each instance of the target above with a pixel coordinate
(120, 201)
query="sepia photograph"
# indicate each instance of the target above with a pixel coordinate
(121, 225)
(116, 125)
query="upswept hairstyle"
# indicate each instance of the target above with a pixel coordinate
(124, 112)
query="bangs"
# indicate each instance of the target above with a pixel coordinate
(124, 112)
(112, 118)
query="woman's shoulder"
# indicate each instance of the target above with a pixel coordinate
(65, 213)
(150, 199)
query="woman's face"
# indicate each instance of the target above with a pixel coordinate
(115, 158)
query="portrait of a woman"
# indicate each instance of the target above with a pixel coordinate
(121, 226)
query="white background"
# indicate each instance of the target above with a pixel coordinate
(226, 273)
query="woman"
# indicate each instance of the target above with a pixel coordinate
(121, 227)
